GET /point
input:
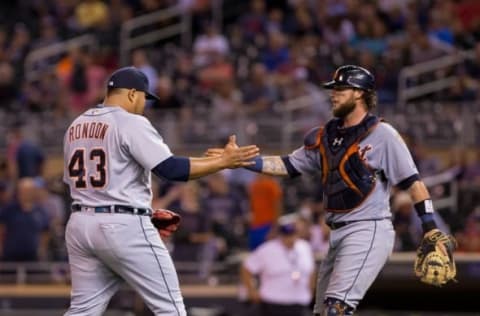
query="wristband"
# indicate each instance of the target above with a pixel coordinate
(425, 211)
(257, 166)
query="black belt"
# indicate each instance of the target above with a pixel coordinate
(337, 225)
(121, 209)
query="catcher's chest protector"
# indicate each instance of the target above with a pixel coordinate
(346, 177)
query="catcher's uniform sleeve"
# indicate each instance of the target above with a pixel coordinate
(396, 162)
(144, 143)
(305, 161)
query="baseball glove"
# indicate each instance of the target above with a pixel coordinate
(165, 221)
(434, 263)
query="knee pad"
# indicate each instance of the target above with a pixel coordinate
(336, 307)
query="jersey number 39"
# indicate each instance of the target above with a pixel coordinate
(77, 168)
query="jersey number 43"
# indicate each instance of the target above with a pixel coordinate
(77, 169)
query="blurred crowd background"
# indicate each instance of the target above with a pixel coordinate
(252, 68)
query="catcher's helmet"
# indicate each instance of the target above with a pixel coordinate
(351, 76)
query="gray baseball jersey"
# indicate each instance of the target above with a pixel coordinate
(384, 150)
(109, 153)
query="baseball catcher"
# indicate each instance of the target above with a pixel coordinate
(434, 263)
(165, 221)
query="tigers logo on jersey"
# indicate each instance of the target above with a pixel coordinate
(362, 152)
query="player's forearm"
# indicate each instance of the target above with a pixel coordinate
(271, 165)
(423, 205)
(418, 192)
(203, 166)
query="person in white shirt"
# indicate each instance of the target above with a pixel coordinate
(285, 267)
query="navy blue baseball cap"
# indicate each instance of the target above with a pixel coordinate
(130, 78)
(287, 224)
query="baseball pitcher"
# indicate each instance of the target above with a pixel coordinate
(110, 152)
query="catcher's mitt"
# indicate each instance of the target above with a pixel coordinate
(434, 263)
(165, 221)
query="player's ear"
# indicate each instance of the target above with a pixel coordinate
(132, 95)
(358, 94)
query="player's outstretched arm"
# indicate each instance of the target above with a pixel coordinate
(232, 156)
(176, 168)
(271, 165)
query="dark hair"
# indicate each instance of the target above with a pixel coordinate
(370, 98)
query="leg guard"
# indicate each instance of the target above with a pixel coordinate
(336, 307)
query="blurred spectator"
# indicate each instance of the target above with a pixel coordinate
(55, 209)
(259, 94)
(140, 61)
(226, 108)
(3, 42)
(83, 78)
(370, 36)
(226, 213)
(183, 75)
(276, 53)
(43, 95)
(253, 23)
(468, 11)
(25, 158)
(25, 225)
(302, 22)
(8, 85)
(170, 103)
(265, 207)
(472, 67)
(469, 238)
(217, 72)
(5, 194)
(48, 34)
(194, 240)
(275, 21)
(462, 90)
(208, 45)
(461, 37)
(469, 181)
(19, 46)
(440, 20)
(423, 48)
(285, 287)
(169, 100)
(90, 14)
(338, 31)
(295, 85)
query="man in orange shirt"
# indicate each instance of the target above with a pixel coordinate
(265, 207)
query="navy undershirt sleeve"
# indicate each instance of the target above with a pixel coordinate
(174, 168)
(406, 183)
(292, 172)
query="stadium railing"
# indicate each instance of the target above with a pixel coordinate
(410, 86)
(42, 60)
(176, 22)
